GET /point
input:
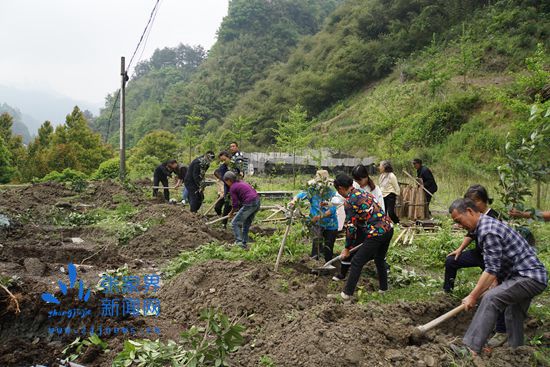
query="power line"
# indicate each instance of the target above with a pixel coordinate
(111, 115)
(143, 34)
(147, 31)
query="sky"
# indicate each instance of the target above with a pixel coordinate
(73, 47)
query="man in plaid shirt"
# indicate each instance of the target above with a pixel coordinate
(510, 261)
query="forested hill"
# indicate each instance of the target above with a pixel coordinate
(180, 82)
(418, 77)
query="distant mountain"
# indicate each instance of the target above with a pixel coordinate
(39, 106)
(19, 123)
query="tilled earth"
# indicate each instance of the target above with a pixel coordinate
(287, 315)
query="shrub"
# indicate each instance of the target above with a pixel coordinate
(107, 170)
(76, 180)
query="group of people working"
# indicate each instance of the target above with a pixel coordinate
(512, 274)
(238, 199)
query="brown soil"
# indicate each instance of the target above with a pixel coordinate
(178, 230)
(287, 315)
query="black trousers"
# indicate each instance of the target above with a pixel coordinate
(323, 239)
(468, 259)
(374, 248)
(160, 177)
(428, 200)
(196, 197)
(389, 203)
(223, 207)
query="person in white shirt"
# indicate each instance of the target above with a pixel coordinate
(363, 183)
(390, 189)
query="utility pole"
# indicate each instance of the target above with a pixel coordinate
(124, 78)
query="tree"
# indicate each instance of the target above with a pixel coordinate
(241, 129)
(468, 57)
(37, 162)
(431, 69)
(160, 144)
(6, 168)
(293, 135)
(526, 162)
(14, 144)
(191, 133)
(74, 145)
(6, 122)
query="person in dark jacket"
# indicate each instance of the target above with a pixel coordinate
(237, 159)
(223, 205)
(194, 180)
(161, 174)
(428, 180)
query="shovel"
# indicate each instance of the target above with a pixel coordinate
(422, 329)
(328, 267)
(216, 220)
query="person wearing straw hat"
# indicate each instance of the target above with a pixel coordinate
(322, 214)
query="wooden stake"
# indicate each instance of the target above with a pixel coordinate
(401, 235)
(283, 242)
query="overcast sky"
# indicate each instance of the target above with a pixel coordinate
(73, 47)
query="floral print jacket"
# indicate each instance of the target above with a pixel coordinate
(364, 214)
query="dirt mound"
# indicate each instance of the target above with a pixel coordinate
(291, 321)
(175, 229)
(34, 201)
(110, 193)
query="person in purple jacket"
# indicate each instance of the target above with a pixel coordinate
(245, 203)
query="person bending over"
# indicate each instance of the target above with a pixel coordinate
(364, 218)
(322, 214)
(161, 174)
(246, 203)
(512, 277)
(459, 259)
(194, 180)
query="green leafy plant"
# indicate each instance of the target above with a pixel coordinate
(108, 170)
(266, 361)
(401, 277)
(74, 179)
(208, 345)
(79, 346)
(10, 281)
(525, 162)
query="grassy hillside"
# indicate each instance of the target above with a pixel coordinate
(452, 101)
(443, 80)
(180, 82)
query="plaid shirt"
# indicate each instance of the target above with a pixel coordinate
(506, 253)
(364, 214)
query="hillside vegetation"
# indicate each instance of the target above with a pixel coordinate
(447, 81)
(393, 79)
(181, 82)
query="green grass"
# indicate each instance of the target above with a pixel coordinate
(263, 249)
